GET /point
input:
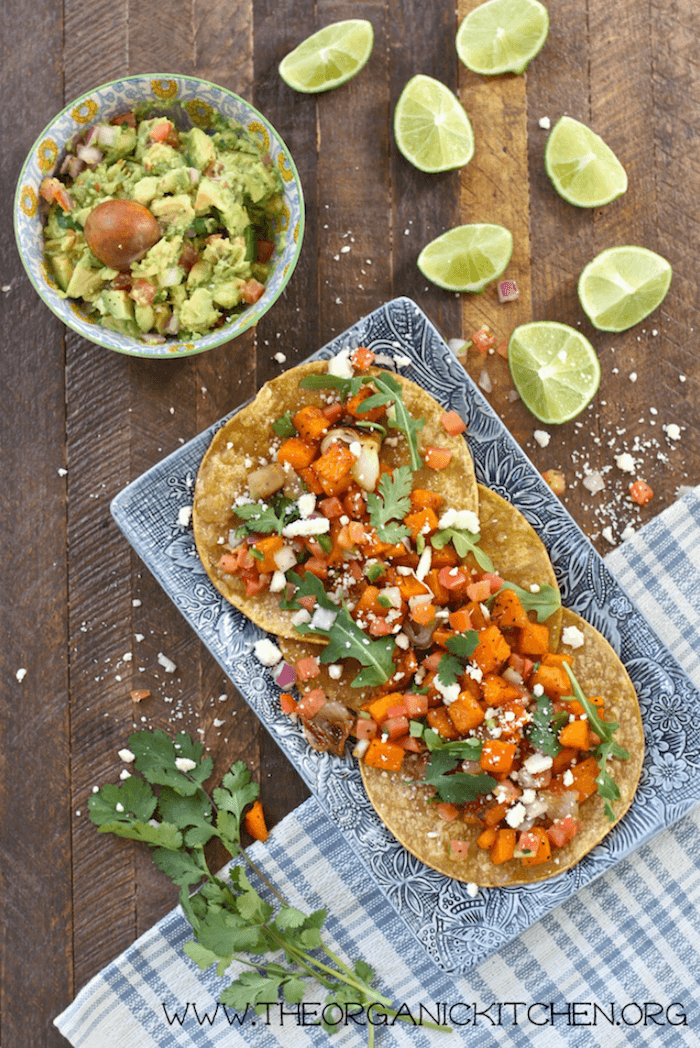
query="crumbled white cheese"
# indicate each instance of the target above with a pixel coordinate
(607, 534)
(628, 532)
(534, 587)
(184, 516)
(168, 665)
(673, 432)
(280, 358)
(184, 764)
(516, 815)
(538, 691)
(127, 756)
(542, 437)
(537, 762)
(313, 526)
(568, 777)
(335, 671)
(625, 462)
(277, 582)
(475, 672)
(463, 519)
(528, 796)
(355, 448)
(402, 641)
(306, 504)
(299, 618)
(119, 806)
(572, 636)
(472, 890)
(449, 692)
(545, 123)
(266, 652)
(323, 618)
(124, 774)
(341, 365)
(21, 674)
(633, 376)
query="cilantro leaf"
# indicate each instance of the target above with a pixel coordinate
(183, 868)
(134, 795)
(266, 517)
(156, 754)
(465, 542)
(283, 426)
(455, 787)
(391, 504)
(545, 602)
(449, 669)
(236, 792)
(541, 731)
(191, 813)
(463, 645)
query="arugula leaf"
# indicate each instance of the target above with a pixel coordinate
(455, 787)
(607, 748)
(545, 602)
(347, 387)
(404, 421)
(347, 641)
(391, 504)
(464, 749)
(465, 542)
(541, 731)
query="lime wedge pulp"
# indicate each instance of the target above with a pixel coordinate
(583, 169)
(622, 286)
(502, 36)
(554, 368)
(431, 127)
(467, 258)
(329, 57)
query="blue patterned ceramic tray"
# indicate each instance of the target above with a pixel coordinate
(456, 930)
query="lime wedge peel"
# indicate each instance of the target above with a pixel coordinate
(554, 368)
(623, 285)
(329, 57)
(467, 258)
(431, 127)
(583, 169)
(502, 36)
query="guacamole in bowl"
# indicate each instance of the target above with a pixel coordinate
(159, 215)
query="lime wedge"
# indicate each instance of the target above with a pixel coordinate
(467, 258)
(431, 127)
(329, 57)
(502, 36)
(582, 168)
(555, 370)
(623, 285)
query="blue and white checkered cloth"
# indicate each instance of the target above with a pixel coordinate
(617, 965)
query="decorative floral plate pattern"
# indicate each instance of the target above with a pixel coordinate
(200, 101)
(456, 930)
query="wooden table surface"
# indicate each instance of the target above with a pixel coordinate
(74, 596)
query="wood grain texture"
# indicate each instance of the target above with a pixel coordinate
(35, 811)
(79, 600)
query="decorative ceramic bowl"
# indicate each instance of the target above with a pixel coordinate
(200, 100)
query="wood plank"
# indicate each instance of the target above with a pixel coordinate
(420, 39)
(35, 874)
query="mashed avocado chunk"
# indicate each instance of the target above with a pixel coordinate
(215, 197)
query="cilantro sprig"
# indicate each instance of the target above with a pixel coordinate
(606, 750)
(391, 505)
(543, 729)
(345, 638)
(279, 949)
(266, 517)
(460, 649)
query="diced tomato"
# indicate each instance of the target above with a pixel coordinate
(416, 705)
(453, 423)
(396, 726)
(317, 567)
(563, 830)
(311, 703)
(479, 591)
(362, 358)
(365, 728)
(309, 602)
(641, 493)
(528, 842)
(447, 811)
(380, 628)
(307, 668)
(437, 458)
(483, 340)
(251, 291)
(556, 480)
(333, 412)
(452, 578)
(255, 585)
(124, 118)
(459, 849)
(160, 131)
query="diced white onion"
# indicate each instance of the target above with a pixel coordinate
(285, 558)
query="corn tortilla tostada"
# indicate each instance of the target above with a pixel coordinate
(299, 446)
